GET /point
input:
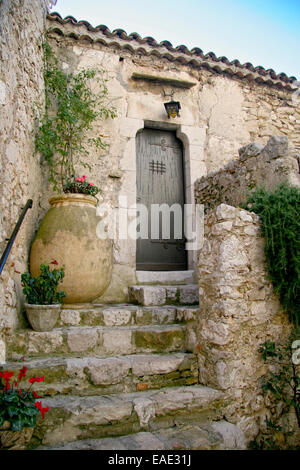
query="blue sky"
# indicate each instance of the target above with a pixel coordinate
(263, 32)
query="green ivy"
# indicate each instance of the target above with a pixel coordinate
(71, 107)
(279, 211)
(284, 385)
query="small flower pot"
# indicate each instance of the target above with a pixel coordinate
(42, 317)
(14, 440)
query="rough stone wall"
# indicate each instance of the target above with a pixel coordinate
(22, 24)
(238, 312)
(267, 166)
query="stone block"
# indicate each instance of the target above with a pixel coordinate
(83, 339)
(276, 147)
(189, 295)
(118, 341)
(233, 438)
(108, 371)
(226, 212)
(147, 295)
(116, 317)
(250, 150)
(160, 339)
(70, 317)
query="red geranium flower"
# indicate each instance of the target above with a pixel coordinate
(36, 379)
(22, 373)
(38, 404)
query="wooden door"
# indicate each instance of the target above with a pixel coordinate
(160, 180)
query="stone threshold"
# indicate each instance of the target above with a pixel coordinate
(165, 277)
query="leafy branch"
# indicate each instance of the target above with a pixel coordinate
(284, 385)
(71, 108)
(279, 211)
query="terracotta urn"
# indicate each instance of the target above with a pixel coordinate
(68, 235)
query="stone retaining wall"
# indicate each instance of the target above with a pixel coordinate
(277, 162)
(238, 312)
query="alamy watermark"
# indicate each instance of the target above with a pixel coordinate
(157, 222)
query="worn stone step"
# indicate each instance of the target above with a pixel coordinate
(97, 340)
(72, 418)
(165, 277)
(212, 435)
(164, 295)
(126, 315)
(104, 375)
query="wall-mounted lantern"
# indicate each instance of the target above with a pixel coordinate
(172, 108)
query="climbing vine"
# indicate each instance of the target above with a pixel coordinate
(283, 384)
(279, 211)
(71, 107)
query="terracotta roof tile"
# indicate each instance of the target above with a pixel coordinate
(194, 57)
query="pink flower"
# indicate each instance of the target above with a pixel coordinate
(83, 178)
(79, 179)
(91, 184)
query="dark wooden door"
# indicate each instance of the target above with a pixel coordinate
(160, 180)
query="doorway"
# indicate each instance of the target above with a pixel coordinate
(160, 189)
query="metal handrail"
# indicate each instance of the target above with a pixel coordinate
(14, 234)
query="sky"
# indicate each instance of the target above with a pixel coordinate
(263, 32)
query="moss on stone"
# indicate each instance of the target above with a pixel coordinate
(66, 219)
(158, 341)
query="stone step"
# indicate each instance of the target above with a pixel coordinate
(164, 295)
(212, 435)
(72, 418)
(165, 277)
(125, 315)
(105, 375)
(97, 340)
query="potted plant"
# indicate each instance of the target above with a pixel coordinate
(43, 301)
(18, 410)
(63, 139)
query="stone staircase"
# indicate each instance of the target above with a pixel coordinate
(124, 377)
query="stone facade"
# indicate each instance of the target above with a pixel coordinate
(22, 26)
(223, 107)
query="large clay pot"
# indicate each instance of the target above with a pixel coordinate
(67, 234)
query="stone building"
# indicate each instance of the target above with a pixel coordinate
(224, 106)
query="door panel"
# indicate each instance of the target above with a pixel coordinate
(160, 180)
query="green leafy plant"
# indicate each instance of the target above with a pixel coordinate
(19, 407)
(42, 289)
(71, 107)
(279, 211)
(269, 441)
(80, 185)
(283, 385)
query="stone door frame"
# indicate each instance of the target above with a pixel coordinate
(193, 140)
